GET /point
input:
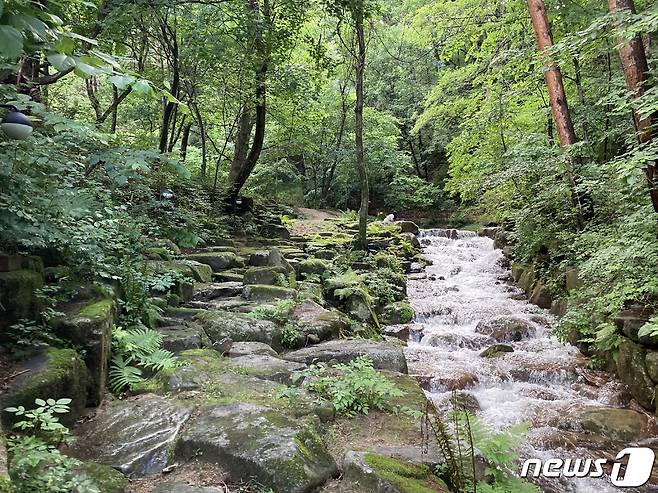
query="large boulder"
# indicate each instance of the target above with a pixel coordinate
(318, 323)
(90, 327)
(374, 473)
(219, 325)
(632, 370)
(541, 296)
(276, 259)
(651, 362)
(56, 374)
(273, 276)
(630, 320)
(384, 355)
(247, 348)
(188, 269)
(218, 261)
(505, 329)
(219, 290)
(134, 436)
(250, 441)
(17, 299)
(312, 267)
(182, 337)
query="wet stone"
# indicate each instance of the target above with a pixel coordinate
(134, 437)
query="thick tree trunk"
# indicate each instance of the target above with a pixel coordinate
(358, 128)
(636, 71)
(557, 96)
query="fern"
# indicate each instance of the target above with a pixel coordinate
(159, 360)
(123, 375)
(137, 343)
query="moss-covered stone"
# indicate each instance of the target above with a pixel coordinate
(380, 474)
(268, 293)
(157, 253)
(273, 276)
(105, 478)
(90, 327)
(250, 441)
(397, 313)
(57, 374)
(218, 261)
(632, 370)
(220, 325)
(312, 267)
(17, 300)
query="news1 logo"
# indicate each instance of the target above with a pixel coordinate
(636, 473)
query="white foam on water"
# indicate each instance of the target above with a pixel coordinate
(540, 382)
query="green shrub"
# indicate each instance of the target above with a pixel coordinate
(352, 388)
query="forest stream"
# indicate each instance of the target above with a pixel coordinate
(463, 302)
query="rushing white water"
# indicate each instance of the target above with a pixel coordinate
(542, 381)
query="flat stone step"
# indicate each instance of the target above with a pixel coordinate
(219, 290)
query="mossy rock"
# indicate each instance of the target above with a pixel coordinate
(17, 296)
(249, 441)
(272, 276)
(220, 325)
(90, 327)
(397, 313)
(374, 473)
(105, 478)
(157, 253)
(262, 292)
(312, 267)
(632, 370)
(57, 374)
(218, 261)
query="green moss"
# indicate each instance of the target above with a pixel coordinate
(158, 253)
(62, 374)
(407, 477)
(313, 266)
(17, 295)
(105, 478)
(179, 311)
(265, 293)
(6, 486)
(98, 309)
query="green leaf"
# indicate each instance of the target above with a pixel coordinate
(143, 88)
(11, 42)
(61, 61)
(39, 402)
(122, 81)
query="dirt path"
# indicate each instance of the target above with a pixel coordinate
(311, 221)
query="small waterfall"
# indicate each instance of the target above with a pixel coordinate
(465, 304)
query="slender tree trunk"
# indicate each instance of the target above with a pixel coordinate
(185, 141)
(636, 71)
(115, 109)
(240, 171)
(358, 128)
(328, 178)
(557, 96)
(581, 94)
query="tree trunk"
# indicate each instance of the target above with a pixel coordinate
(358, 128)
(185, 141)
(241, 169)
(636, 72)
(557, 97)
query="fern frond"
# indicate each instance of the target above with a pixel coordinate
(159, 360)
(122, 375)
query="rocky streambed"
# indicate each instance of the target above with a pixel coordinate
(475, 334)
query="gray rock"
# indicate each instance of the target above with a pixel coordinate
(398, 331)
(272, 276)
(259, 259)
(541, 296)
(248, 441)
(219, 290)
(314, 320)
(218, 261)
(267, 367)
(385, 355)
(630, 321)
(651, 361)
(505, 329)
(408, 227)
(623, 425)
(248, 348)
(268, 293)
(220, 325)
(311, 267)
(134, 437)
(275, 259)
(180, 338)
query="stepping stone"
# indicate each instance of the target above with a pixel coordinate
(248, 348)
(219, 290)
(220, 325)
(247, 441)
(134, 437)
(267, 367)
(218, 261)
(384, 355)
(179, 338)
